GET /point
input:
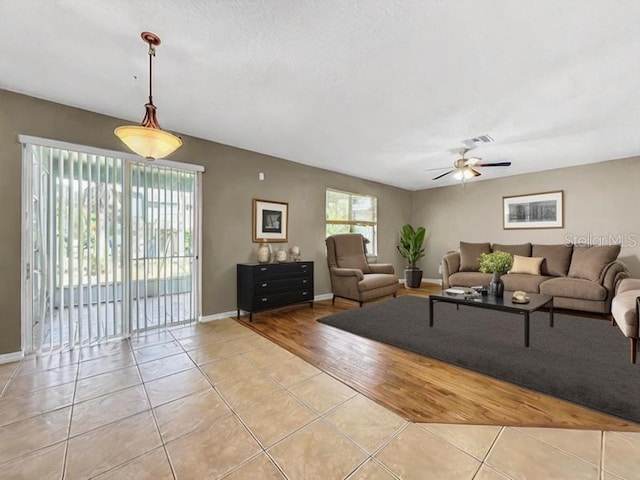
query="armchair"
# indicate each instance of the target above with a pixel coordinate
(352, 277)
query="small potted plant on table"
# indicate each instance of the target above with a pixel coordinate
(410, 248)
(497, 263)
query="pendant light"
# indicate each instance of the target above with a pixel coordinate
(148, 139)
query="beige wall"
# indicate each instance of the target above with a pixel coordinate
(601, 205)
(600, 202)
(230, 183)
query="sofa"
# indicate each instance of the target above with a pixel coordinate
(625, 310)
(578, 277)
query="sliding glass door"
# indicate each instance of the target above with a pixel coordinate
(109, 246)
(163, 231)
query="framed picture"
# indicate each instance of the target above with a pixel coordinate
(535, 210)
(270, 221)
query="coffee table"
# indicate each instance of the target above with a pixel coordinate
(504, 304)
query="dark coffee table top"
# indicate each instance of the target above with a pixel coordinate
(536, 300)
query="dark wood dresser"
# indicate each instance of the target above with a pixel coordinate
(263, 286)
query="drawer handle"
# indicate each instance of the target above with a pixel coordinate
(264, 299)
(304, 281)
(264, 284)
(304, 266)
(304, 293)
(263, 269)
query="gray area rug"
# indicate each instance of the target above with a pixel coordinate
(582, 360)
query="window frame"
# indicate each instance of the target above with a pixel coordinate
(372, 246)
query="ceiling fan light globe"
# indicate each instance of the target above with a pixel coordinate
(467, 173)
(459, 175)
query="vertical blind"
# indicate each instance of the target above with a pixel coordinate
(113, 246)
(162, 239)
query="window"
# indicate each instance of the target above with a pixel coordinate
(353, 213)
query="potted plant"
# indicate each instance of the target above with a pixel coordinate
(410, 248)
(496, 263)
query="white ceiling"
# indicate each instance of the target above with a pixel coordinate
(379, 89)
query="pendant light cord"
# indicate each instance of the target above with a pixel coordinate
(152, 53)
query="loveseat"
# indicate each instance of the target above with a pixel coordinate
(578, 277)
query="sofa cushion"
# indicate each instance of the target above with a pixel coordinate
(469, 279)
(522, 249)
(623, 309)
(528, 265)
(574, 288)
(557, 259)
(470, 254)
(523, 281)
(376, 280)
(588, 262)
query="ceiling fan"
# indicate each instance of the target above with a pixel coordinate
(465, 168)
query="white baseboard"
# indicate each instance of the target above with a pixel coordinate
(11, 357)
(234, 313)
(218, 316)
(324, 296)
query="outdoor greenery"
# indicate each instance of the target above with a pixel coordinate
(411, 241)
(352, 213)
(496, 262)
(87, 198)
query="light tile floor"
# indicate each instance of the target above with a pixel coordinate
(220, 401)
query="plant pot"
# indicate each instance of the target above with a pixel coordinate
(496, 286)
(413, 277)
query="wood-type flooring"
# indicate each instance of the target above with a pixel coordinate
(416, 387)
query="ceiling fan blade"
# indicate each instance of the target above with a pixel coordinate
(432, 169)
(493, 164)
(475, 173)
(473, 161)
(442, 175)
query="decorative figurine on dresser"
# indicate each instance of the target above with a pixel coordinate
(264, 286)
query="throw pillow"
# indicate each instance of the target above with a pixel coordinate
(527, 265)
(470, 255)
(589, 262)
(557, 259)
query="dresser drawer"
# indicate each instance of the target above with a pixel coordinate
(281, 299)
(280, 270)
(268, 286)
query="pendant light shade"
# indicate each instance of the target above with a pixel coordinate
(148, 139)
(151, 143)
